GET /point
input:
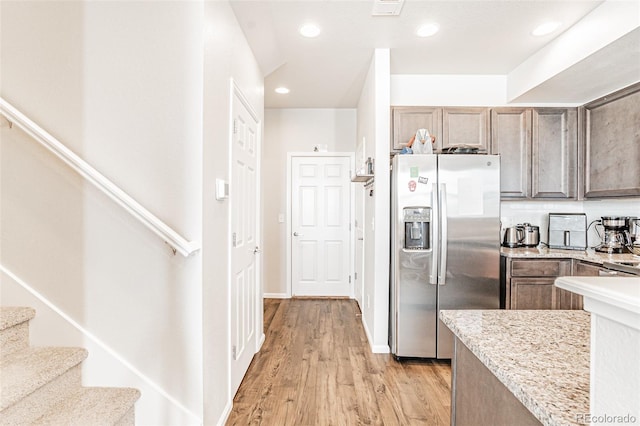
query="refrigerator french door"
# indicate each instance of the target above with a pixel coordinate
(445, 246)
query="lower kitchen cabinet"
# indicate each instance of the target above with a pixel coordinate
(529, 284)
(533, 293)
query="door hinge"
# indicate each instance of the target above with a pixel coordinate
(355, 276)
(234, 352)
(234, 239)
(349, 279)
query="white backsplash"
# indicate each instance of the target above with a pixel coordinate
(537, 213)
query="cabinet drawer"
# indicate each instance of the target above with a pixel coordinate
(540, 268)
(585, 269)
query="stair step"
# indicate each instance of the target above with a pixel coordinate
(34, 379)
(14, 328)
(92, 406)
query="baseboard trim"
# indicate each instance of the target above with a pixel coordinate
(93, 338)
(225, 414)
(376, 349)
(276, 296)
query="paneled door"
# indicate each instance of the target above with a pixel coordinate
(320, 234)
(245, 296)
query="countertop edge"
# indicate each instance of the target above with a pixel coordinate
(522, 394)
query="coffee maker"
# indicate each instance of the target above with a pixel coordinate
(615, 237)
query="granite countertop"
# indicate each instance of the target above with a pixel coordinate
(589, 255)
(542, 357)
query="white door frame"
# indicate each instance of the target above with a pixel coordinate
(259, 335)
(290, 156)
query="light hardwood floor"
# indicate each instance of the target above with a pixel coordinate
(316, 368)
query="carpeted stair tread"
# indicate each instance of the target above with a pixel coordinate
(91, 406)
(27, 370)
(12, 315)
(14, 329)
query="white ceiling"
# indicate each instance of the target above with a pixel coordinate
(475, 37)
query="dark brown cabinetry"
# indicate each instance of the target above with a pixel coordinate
(465, 126)
(511, 138)
(407, 120)
(554, 158)
(531, 284)
(538, 149)
(450, 125)
(612, 145)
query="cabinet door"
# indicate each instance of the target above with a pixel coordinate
(511, 138)
(533, 293)
(407, 120)
(612, 145)
(554, 153)
(567, 300)
(465, 126)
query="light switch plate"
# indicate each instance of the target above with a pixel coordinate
(222, 189)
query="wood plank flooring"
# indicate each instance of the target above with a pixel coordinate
(316, 368)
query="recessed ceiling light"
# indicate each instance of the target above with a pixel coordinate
(546, 28)
(282, 90)
(309, 30)
(427, 30)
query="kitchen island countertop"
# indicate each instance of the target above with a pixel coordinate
(542, 357)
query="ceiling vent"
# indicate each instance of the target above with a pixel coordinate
(387, 7)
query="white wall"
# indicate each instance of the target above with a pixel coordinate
(121, 85)
(141, 92)
(227, 55)
(454, 90)
(373, 127)
(293, 130)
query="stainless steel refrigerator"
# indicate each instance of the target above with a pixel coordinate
(445, 251)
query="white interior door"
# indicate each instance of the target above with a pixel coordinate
(244, 242)
(320, 234)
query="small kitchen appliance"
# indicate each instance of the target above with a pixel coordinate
(634, 231)
(530, 234)
(615, 235)
(568, 231)
(513, 237)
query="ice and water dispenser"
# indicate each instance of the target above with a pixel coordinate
(417, 221)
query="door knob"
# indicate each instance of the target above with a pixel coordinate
(257, 250)
(295, 234)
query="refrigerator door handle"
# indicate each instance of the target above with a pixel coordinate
(442, 271)
(435, 233)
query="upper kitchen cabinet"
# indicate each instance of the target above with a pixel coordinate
(538, 150)
(465, 126)
(554, 153)
(407, 120)
(612, 145)
(511, 138)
